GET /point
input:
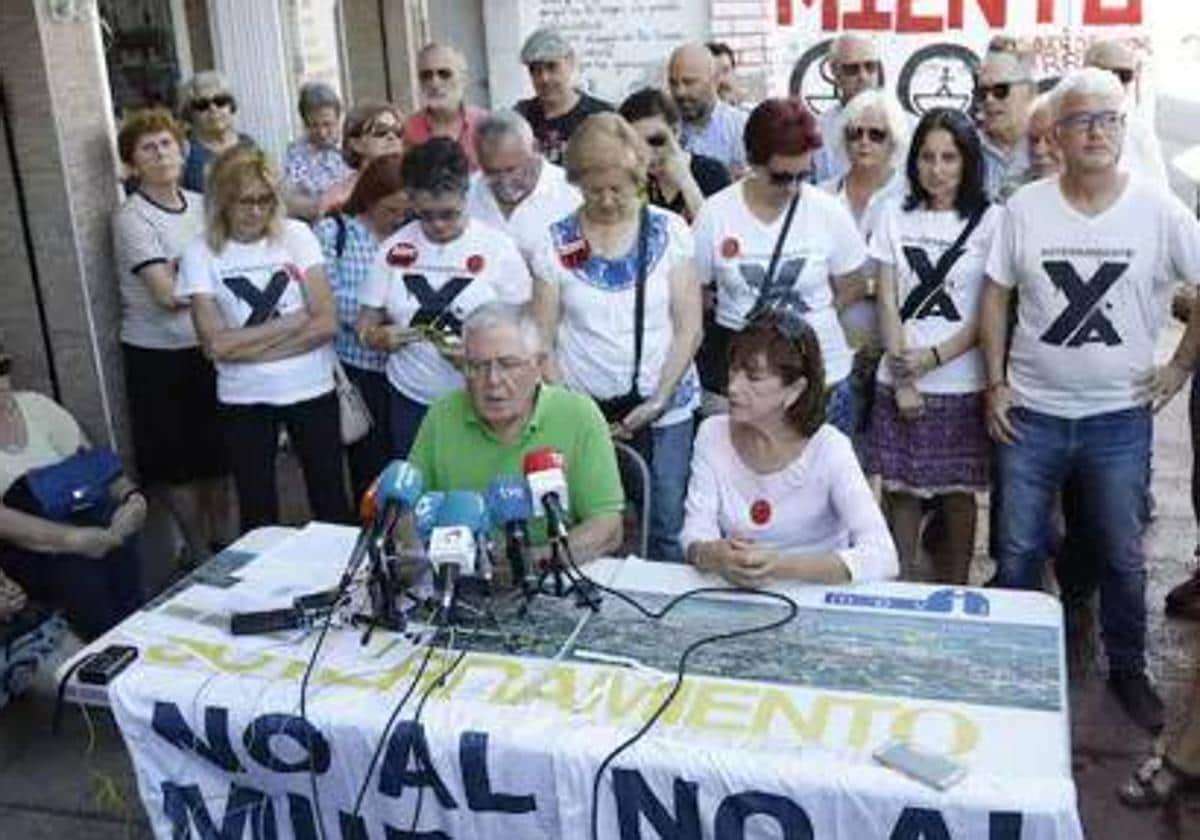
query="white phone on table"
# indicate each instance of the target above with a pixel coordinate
(932, 769)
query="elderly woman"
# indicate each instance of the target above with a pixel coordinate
(208, 108)
(617, 298)
(85, 565)
(927, 438)
(427, 278)
(172, 387)
(372, 129)
(314, 163)
(264, 313)
(678, 181)
(1045, 158)
(775, 492)
(376, 209)
(442, 76)
(774, 241)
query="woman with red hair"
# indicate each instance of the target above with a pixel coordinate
(773, 241)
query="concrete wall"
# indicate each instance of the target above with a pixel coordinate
(59, 112)
(461, 24)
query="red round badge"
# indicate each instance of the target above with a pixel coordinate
(402, 254)
(760, 512)
(730, 248)
(475, 263)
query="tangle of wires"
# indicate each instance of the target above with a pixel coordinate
(681, 668)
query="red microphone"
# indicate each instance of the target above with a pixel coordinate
(545, 470)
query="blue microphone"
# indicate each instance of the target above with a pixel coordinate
(426, 513)
(510, 502)
(454, 542)
(398, 488)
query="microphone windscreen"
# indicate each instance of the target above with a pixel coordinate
(465, 508)
(400, 483)
(544, 458)
(425, 513)
(509, 499)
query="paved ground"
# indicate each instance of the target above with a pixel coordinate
(79, 784)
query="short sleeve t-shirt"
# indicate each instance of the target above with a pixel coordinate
(1089, 292)
(552, 198)
(421, 283)
(597, 299)
(52, 432)
(146, 233)
(937, 294)
(252, 282)
(733, 252)
(552, 134)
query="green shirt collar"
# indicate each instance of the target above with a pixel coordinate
(532, 425)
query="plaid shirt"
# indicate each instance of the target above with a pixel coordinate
(347, 274)
(313, 169)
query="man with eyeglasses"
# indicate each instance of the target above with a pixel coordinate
(516, 190)
(855, 65)
(1090, 254)
(470, 437)
(708, 126)
(1004, 94)
(442, 77)
(1142, 154)
(558, 105)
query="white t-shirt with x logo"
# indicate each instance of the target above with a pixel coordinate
(1091, 292)
(733, 251)
(933, 304)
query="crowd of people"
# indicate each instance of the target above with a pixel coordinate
(826, 335)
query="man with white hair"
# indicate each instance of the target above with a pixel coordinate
(470, 437)
(1087, 251)
(516, 190)
(1142, 155)
(855, 65)
(1004, 94)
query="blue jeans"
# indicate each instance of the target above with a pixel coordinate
(404, 416)
(843, 407)
(668, 453)
(1106, 460)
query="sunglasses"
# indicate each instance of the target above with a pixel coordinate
(875, 135)
(449, 214)
(781, 317)
(854, 68)
(203, 103)
(788, 179)
(382, 131)
(657, 141)
(1124, 74)
(998, 91)
(443, 73)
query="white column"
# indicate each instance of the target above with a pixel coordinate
(248, 48)
(506, 23)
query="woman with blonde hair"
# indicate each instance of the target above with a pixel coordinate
(616, 294)
(264, 312)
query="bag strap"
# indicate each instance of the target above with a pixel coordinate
(765, 292)
(963, 235)
(639, 305)
(339, 242)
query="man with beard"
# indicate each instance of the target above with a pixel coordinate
(516, 190)
(710, 127)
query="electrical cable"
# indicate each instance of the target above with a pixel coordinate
(441, 680)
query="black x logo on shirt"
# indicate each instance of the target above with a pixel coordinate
(781, 290)
(434, 306)
(1082, 322)
(262, 303)
(930, 299)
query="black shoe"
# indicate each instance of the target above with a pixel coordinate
(1184, 600)
(1138, 698)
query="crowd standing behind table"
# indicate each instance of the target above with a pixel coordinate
(769, 247)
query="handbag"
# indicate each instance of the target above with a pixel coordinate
(616, 408)
(76, 489)
(715, 350)
(353, 414)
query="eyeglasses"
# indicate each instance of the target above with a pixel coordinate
(998, 91)
(505, 366)
(444, 214)
(266, 201)
(443, 73)
(379, 132)
(1124, 74)
(788, 179)
(203, 103)
(854, 133)
(1107, 121)
(854, 68)
(657, 140)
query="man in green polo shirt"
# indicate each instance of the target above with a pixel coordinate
(469, 437)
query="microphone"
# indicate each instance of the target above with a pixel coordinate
(545, 469)
(511, 504)
(453, 548)
(398, 488)
(425, 513)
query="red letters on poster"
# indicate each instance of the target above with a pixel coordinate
(868, 16)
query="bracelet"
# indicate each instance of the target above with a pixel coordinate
(937, 357)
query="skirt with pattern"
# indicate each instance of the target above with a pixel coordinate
(945, 450)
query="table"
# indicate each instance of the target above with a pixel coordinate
(770, 736)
